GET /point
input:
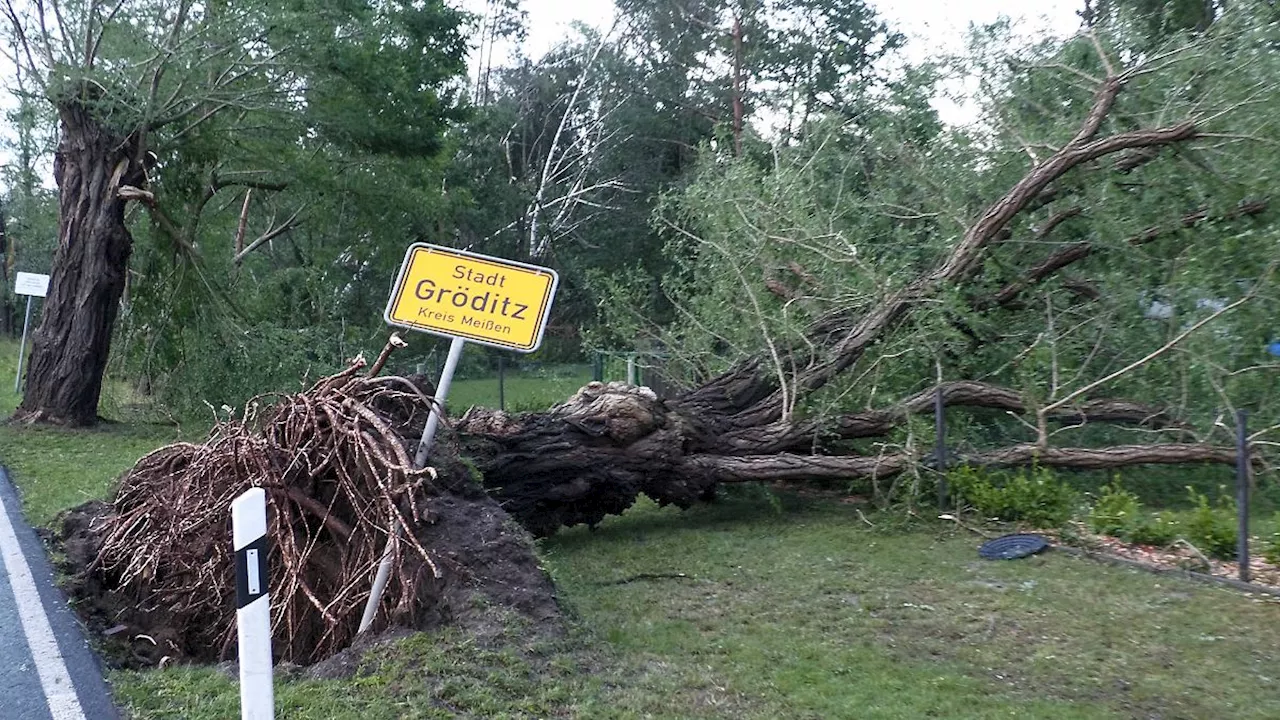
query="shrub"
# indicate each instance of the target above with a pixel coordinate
(1211, 529)
(1159, 529)
(1035, 497)
(1116, 512)
(1271, 551)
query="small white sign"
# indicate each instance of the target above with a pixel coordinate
(31, 284)
(251, 563)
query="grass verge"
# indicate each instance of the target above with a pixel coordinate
(767, 606)
(57, 468)
(760, 606)
(522, 391)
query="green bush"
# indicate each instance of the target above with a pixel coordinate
(218, 365)
(1035, 497)
(1116, 511)
(1271, 551)
(1159, 529)
(1211, 529)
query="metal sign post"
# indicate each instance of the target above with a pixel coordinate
(462, 296)
(32, 285)
(419, 462)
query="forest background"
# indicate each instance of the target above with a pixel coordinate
(711, 178)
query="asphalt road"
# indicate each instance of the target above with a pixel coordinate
(47, 670)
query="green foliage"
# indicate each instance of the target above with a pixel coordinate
(229, 367)
(1036, 497)
(1114, 511)
(386, 89)
(1160, 529)
(1271, 549)
(815, 232)
(1211, 528)
(317, 129)
(1117, 512)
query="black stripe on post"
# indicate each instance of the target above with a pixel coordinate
(251, 557)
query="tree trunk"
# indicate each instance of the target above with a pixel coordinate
(595, 454)
(71, 345)
(6, 307)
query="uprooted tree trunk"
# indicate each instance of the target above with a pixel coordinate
(155, 564)
(593, 455)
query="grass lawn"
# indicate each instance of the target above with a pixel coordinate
(523, 391)
(55, 468)
(762, 605)
(767, 606)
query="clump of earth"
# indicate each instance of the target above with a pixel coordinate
(152, 569)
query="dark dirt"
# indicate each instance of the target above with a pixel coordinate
(347, 663)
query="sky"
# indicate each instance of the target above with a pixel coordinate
(933, 27)
(932, 24)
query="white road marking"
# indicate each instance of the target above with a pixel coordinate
(64, 704)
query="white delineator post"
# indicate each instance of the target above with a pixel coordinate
(253, 605)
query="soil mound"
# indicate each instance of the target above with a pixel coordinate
(153, 569)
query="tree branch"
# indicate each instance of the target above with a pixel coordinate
(1074, 252)
(786, 466)
(268, 236)
(793, 436)
(242, 224)
(1158, 351)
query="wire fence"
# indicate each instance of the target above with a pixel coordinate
(943, 459)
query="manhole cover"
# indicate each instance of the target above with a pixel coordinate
(1012, 547)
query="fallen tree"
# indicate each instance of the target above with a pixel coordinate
(334, 460)
(593, 455)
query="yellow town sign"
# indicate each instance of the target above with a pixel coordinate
(480, 298)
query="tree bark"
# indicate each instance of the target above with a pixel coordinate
(71, 345)
(7, 306)
(595, 454)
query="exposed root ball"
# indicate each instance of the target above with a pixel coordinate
(338, 478)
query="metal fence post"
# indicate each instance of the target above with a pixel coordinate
(1242, 493)
(502, 383)
(940, 445)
